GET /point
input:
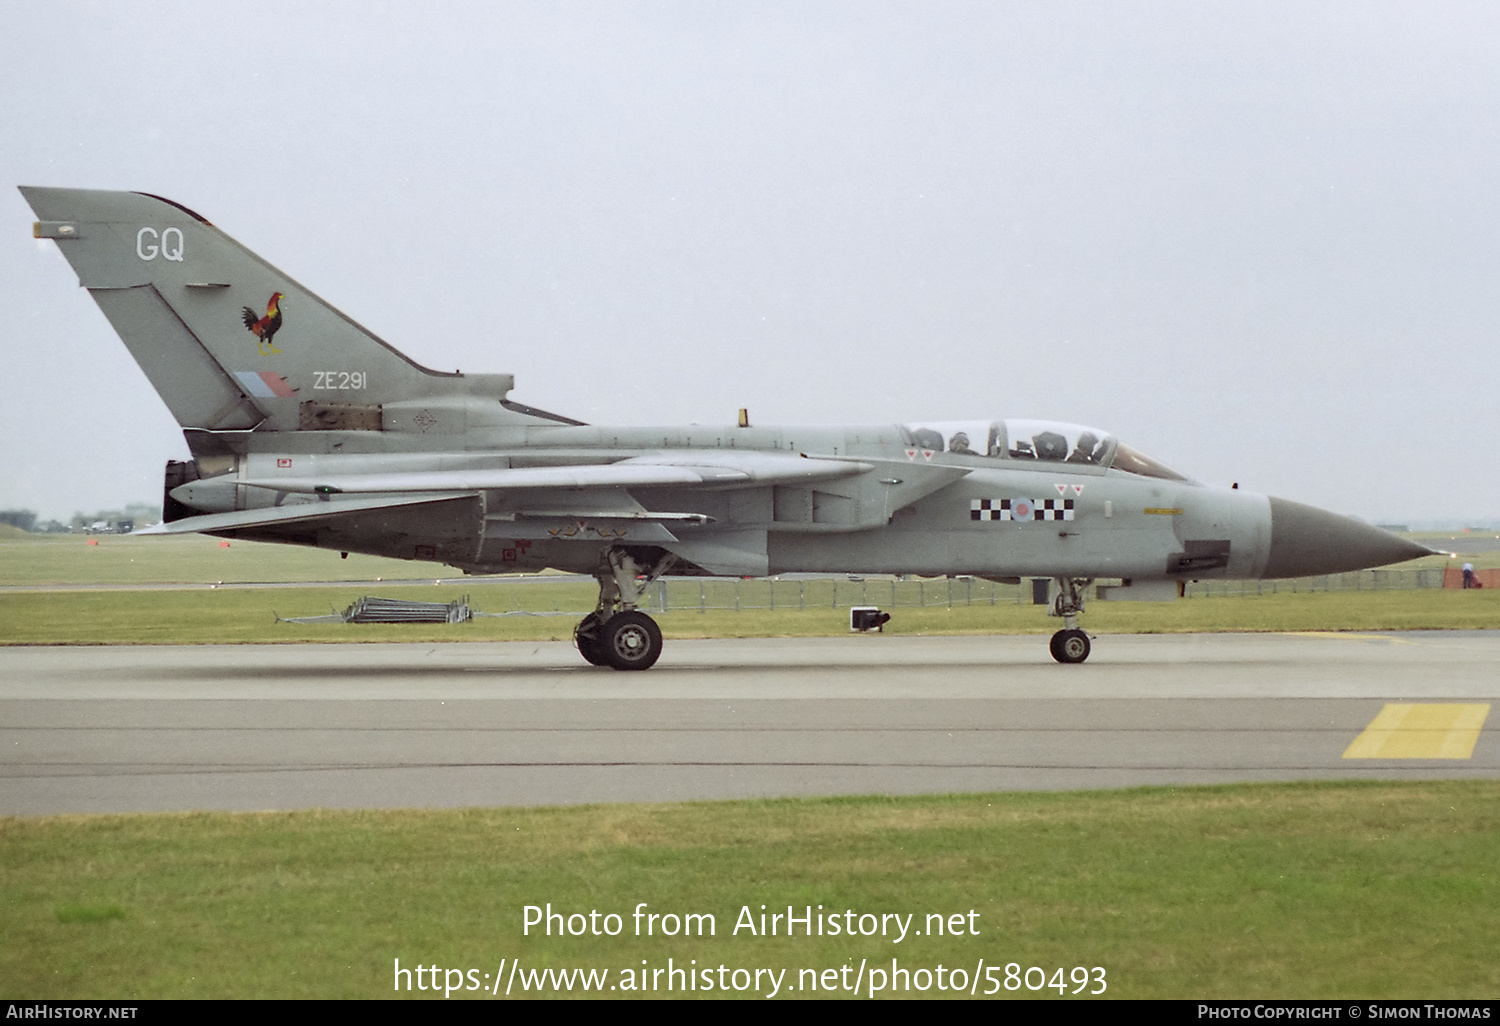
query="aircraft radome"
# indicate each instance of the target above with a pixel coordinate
(306, 429)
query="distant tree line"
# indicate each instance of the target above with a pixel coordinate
(25, 519)
(139, 514)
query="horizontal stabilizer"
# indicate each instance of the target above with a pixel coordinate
(301, 512)
(690, 469)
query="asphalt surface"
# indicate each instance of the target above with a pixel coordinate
(120, 729)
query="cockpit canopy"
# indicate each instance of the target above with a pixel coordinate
(1041, 440)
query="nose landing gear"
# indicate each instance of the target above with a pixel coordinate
(1069, 645)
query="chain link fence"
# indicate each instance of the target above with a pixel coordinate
(829, 593)
(1360, 580)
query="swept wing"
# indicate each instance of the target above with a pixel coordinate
(683, 469)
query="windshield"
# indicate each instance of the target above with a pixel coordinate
(1133, 461)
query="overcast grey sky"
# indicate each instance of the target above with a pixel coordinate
(1259, 241)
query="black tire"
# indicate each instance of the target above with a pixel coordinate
(630, 641)
(586, 637)
(1070, 646)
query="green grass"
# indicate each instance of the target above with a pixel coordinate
(187, 559)
(89, 913)
(1272, 890)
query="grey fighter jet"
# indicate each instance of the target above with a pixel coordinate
(306, 429)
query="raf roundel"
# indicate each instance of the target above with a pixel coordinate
(1020, 509)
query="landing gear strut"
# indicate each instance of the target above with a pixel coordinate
(1069, 645)
(617, 633)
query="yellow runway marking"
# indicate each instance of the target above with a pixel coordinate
(1404, 731)
(1348, 636)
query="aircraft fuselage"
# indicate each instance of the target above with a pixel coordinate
(910, 512)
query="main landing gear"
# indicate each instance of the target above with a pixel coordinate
(1069, 645)
(617, 633)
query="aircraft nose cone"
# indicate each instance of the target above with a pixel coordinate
(1306, 540)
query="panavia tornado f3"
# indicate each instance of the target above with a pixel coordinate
(306, 429)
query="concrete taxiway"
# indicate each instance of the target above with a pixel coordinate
(117, 729)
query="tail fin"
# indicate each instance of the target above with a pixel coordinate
(233, 345)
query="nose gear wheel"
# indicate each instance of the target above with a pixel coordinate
(1070, 646)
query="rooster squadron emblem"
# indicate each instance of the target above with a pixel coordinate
(265, 328)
